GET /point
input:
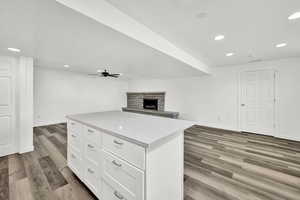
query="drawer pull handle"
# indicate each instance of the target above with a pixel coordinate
(90, 146)
(117, 164)
(73, 136)
(90, 131)
(91, 171)
(73, 156)
(118, 143)
(73, 123)
(118, 195)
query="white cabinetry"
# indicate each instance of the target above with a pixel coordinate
(114, 168)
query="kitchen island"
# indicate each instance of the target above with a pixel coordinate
(128, 156)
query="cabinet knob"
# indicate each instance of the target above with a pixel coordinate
(91, 171)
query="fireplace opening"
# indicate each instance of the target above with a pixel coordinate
(151, 104)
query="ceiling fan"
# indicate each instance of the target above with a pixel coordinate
(105, 73)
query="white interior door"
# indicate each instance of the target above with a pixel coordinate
(7, 116)
(257, 101)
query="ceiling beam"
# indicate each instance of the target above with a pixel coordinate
(107, 14)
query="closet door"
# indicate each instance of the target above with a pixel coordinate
(7, 108)
(257, 106)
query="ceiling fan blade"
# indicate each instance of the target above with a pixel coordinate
(114, 75)
(95, 75)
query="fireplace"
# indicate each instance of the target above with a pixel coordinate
(151, 104)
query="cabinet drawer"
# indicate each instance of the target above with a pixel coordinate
(130, 152)
(74, 127)
(74, 161)
(93, 135)
(110, 192)
(91, 174)
(123, 174)
(92, 153)
(74, 139)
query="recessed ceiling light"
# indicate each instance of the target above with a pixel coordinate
(281, 45)
(229, 54)
(219, 37)
(14, 50)
(295, 15)
(66, 66)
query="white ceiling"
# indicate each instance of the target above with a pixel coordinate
(251, 27)
(56, 35)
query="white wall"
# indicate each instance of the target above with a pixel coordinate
(213, 100)
(25, 104)
(61, 93)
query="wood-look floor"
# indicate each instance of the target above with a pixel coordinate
(42, 174)
(225, 165)
(219, 165)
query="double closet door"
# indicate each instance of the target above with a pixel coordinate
(257, 101)
(7, 107)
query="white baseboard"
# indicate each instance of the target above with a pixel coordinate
(5, 153)
(289, 137)
(26, 150)
(283, 135)
(218, 126)
(37, 124)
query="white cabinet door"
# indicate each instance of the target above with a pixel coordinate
(91, 176)
(7, 133)
(257, 101)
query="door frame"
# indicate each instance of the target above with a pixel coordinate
(276, 98)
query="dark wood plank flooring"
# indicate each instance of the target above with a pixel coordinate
(223, 165)
(219, 165)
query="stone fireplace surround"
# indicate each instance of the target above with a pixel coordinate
(136, 100)
(135, 103)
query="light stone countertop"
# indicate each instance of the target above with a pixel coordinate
(143, 130)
